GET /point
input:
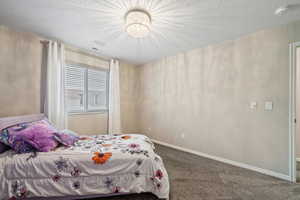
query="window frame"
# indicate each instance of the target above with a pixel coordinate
(85, 90)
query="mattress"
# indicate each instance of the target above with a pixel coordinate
(95, 165)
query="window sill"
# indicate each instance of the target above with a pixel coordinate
(88, 113)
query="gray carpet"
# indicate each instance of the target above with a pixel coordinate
(197, 178)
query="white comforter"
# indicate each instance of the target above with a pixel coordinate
(95, 165)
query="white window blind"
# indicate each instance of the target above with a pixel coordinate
(97, 89)
(86, 89)
(74, 81)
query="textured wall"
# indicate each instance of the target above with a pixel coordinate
(298, 103)
(92, 123)
(88, 124)
(204, 94)
(20, 73)
(129, 95)
(20, 82)
(75, 56)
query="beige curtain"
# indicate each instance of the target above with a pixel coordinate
(55, 101)
(114, 123)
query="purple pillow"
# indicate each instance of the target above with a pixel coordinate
(28, 137)
(3, 147)
(10, 122)
(19, 145)
(9, 137)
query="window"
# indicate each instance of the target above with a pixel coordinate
(86, 89)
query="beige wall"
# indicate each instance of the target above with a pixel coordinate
(75, 56)
(20, 73)
(95, 123)
(87, 123)
(298, 103)
(204, 94)
(129, 84)
(20, 82)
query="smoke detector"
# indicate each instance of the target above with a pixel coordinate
(281, 10)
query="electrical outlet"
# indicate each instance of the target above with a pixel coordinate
(253, 105)
(182, 135)
(268, 105)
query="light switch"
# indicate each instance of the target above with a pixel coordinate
(269, 105)
(253, 105)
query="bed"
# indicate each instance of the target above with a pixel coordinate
(94, 165)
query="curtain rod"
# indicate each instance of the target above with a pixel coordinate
(44, 41)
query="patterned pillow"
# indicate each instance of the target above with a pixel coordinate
(7, 122)
(66, 137)
(40, 135)
(20, 146)
(28, 137)
(4, 135)
(69, 132)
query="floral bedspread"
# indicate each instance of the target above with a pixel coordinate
(100, 164)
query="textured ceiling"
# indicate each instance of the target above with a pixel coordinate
(178, 25)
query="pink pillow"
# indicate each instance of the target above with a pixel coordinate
(39, 134)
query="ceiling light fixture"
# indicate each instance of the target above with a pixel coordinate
(281, 10)
(138, 23)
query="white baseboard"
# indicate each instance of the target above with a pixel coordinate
(227, 161)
